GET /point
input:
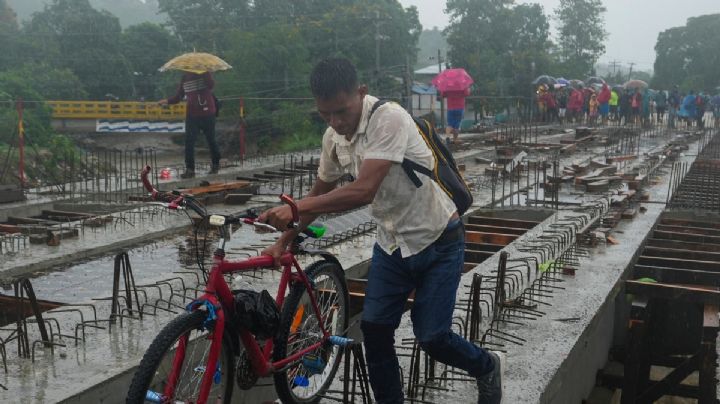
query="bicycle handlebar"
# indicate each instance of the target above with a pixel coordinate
(176, 199)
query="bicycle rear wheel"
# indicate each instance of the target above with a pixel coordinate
(306, 380)
(156, 366)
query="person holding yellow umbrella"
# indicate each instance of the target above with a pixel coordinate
(196, 86)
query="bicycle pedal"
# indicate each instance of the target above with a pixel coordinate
(313, 364)
(340, 341)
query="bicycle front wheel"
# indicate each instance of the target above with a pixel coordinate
(160, 363)
(307, 379)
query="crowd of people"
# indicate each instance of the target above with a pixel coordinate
(600, 104)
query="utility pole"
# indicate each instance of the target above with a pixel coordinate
(442, 99)
(631, 67)
(614, 65)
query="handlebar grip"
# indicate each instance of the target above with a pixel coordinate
(146, 182)
(293, 206)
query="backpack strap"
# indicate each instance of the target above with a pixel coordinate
(378, 104)
(410, 167)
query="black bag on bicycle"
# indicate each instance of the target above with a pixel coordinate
(257, 313)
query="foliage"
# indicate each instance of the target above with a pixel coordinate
(148, 46)
(201, 24)
(501, 45)
(689, 56)
(129, 12)
(581, 35)
(36, 115)
(88, 41)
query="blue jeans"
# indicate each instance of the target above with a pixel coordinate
(434, 274)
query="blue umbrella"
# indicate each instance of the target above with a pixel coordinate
(563, 81)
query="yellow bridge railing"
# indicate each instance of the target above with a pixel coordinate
(116, 110)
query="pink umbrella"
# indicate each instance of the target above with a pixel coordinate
(452, 80)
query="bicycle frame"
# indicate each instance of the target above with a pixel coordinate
(218, 294)
(221, 301)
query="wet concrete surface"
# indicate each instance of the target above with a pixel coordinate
(100, 368)
(534, 370)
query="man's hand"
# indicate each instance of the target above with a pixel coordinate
(276, 250)
(164, 101)
(278, 217)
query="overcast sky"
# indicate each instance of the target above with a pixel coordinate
(633, 24)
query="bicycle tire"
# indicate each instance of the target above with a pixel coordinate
(163, 344)
(285, 381)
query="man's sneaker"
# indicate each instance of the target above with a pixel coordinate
(490, 385)
(188, 174)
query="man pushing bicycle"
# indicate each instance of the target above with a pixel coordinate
(421, 239)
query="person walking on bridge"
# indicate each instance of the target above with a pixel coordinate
(421, 237)
(199, 117)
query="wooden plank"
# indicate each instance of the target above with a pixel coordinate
(687, 293)
(677, 275)
(695, 238)
(30, 220)
(598, 186)
(8, 228)
(491, 238)
(62, 213)
(690, 223)
(484, 247)
(496, 221)
(617, 159)
(680, 263)
(629, 213)
(683, 245)
(495, 229)
(652, 251)
(228, 186)
(687, 229)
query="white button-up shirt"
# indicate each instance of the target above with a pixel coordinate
(408, 217)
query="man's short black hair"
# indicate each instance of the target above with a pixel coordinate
(332, 76)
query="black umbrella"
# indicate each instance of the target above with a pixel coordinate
(595, 80)
(544, 79)
(577, 83)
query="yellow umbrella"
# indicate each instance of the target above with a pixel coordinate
(196, 62)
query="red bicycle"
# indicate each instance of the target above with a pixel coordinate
(203, 353)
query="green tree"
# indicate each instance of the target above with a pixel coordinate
(88, 42)
(148, 46)
(581, 35)
(9, 32)
(498, 43)
(688, 56)
(201, 24)
(16, 85)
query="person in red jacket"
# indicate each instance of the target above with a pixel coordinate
(199, 116)
(455, 111)
(604, 100)
(551, 106)
(575, 105)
